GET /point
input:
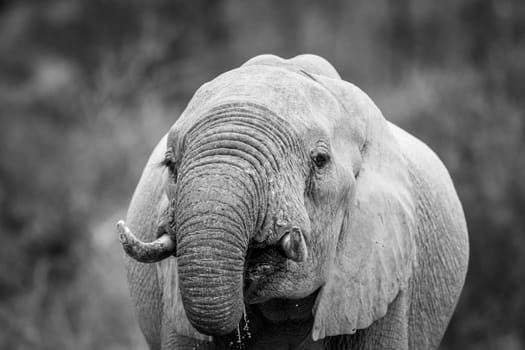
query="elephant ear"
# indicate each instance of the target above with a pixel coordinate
(375, 252)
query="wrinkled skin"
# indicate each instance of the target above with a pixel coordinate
(285, 212)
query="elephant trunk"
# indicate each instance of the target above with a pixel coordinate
(214, 221)
(221, 202)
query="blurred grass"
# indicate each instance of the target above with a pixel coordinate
(88, 87)
(91, 312)
(62, 281)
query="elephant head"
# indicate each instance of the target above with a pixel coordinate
(284, 181)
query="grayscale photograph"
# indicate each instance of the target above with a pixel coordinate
(278, 175)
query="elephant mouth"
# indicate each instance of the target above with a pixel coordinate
(262, 267)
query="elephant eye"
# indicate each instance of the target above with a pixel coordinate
(170, 164)
(320, 159)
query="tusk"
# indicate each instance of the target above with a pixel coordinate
(151, 252)
(294, 245)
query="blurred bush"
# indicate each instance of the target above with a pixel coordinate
(480, 136)
(88, 87)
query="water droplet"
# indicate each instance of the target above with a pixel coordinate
(239, 337)
(246, 327)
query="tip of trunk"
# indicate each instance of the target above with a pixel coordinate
(211, 284)
(212, 308)
(221, 326)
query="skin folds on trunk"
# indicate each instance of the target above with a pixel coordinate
(221, 202)
(220, 185)
(212, 239)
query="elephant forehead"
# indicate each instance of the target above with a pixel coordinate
(293, 96)
(312, 64)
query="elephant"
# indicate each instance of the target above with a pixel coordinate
(282, 210)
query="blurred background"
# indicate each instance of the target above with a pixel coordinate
(87, 88)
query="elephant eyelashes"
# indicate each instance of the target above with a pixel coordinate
(170, 164)
(320, 159)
